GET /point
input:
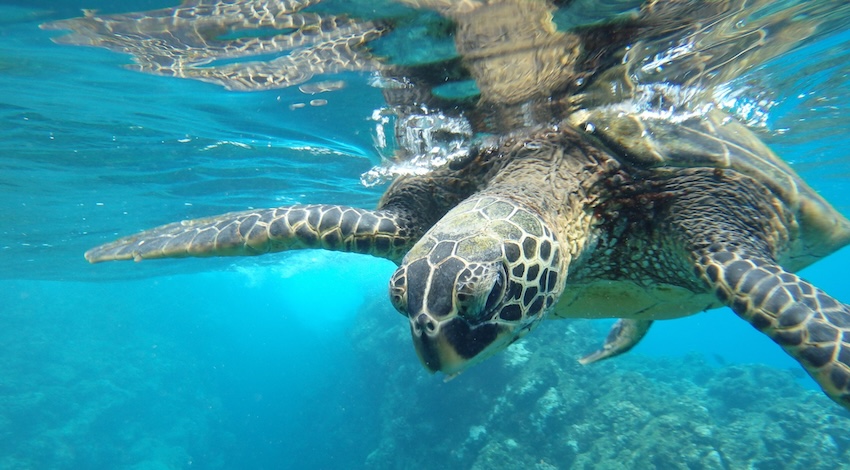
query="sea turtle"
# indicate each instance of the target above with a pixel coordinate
(580, 203)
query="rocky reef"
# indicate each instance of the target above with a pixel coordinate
(534, 406)
(206, 372)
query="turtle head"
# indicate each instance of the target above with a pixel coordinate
(480, 279)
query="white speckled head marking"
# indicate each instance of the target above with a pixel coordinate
(485, 275)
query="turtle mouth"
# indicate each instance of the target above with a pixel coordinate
(454, 345)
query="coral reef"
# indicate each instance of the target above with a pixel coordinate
(536, 407)
(109, 376)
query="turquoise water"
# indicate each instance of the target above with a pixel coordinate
(297, 360)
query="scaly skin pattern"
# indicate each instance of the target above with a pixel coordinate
(482, 277)
(810, 325)
(256, 232)
(735, 240)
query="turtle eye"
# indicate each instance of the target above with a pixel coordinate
(480, 290)
(498, 290)
(398, 291)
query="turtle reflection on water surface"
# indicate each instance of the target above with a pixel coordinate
(594, 183)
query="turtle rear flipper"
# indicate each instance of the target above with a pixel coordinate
(625, 334)
(382, 233)
(810, 325)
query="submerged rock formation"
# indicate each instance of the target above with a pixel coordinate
(536, 407)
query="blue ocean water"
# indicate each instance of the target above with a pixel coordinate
(294, 360)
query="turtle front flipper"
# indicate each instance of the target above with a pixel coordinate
(623, 336)
(810, 325)
(383, 233)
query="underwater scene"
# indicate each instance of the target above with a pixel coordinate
(117, 117)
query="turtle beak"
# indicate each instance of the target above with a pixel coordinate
(451, 346)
